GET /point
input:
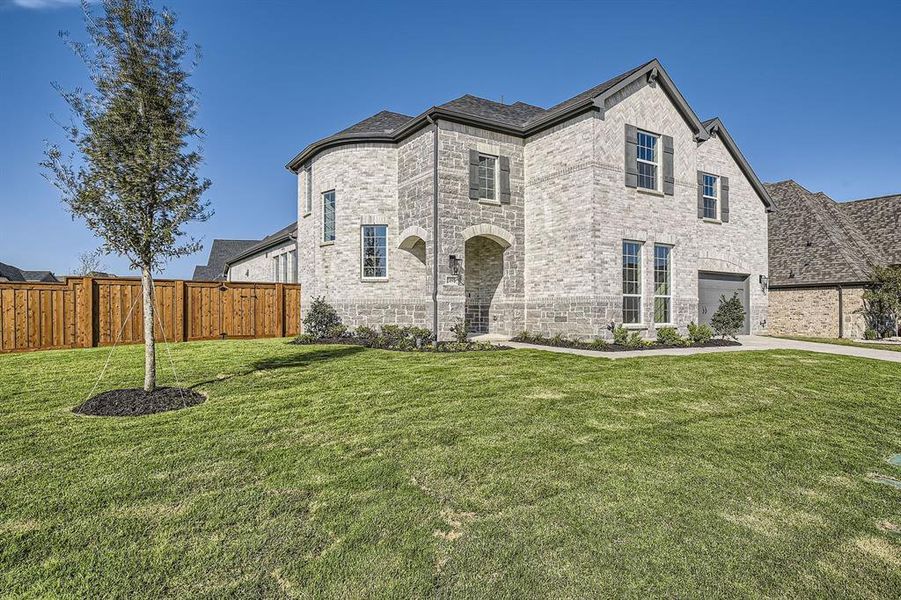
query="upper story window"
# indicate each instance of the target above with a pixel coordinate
(711, 196)
(663, 294)
(648, 160)
(328, 216)
(308, 190)
(631, 282)
(487, 177)
(374, 251)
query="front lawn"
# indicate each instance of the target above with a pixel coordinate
(333, 471)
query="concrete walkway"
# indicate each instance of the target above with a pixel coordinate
(748, 343)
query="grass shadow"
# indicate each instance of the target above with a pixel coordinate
(300, 358)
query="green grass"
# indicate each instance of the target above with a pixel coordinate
(316, 471)
(842, 342)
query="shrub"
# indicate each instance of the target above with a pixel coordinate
(365, 333)
(321, 318)
(621, 336)
(336, 331)
(634, 340)
(305, 338)
(882, 301)
(729, 318)
(598, 344)
(669, 336)
(420, 336)
(559, 339)
(699, 334)
(460, 330)
(870, 334)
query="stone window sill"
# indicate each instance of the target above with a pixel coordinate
(712, 221)
(323, 244)
(637, 326)
(489, 202)
(650, 192)
(306, 214)
(373, 279)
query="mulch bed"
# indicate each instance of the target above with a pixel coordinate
(133, 402)
(442, 346)
(715, 343)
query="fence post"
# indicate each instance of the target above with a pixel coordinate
(87, 317)
(179, 322)
(280, 309)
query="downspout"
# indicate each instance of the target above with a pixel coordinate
(841, 312)
(434, 229)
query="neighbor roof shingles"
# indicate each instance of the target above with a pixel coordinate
(814, 240)
(880, 220)
(220, 252)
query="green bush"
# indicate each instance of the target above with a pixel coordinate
(634, 340)
(621, 336)
(337, 331)
(699, 334)
(882, 301)
(305, 338)
(559, 339)
(365, 333)
(460, 330)
(669, 336)
(598, 344)
(321, 318)
(729, 318)
(870, 334)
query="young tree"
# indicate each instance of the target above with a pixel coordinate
(88, 264)
(882, 301)
(136, 183)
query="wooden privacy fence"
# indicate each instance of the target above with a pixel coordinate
(86, 312)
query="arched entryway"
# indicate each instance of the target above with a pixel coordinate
(484, 273)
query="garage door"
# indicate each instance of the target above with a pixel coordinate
(712, 286)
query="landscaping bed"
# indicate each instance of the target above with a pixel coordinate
(601, 345)
(133, 402)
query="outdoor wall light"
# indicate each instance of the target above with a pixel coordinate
(764, 282)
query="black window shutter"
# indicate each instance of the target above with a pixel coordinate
(724, 199)
(700, 194)
(504, 163)
(669, 181)
(631, 156)
(474, 174)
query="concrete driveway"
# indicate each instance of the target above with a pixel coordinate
(748, 343)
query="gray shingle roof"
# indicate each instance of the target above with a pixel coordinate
(880, 220)
(815, 240)
(596, 90)
(382, 122)
(11, 273)
(220, 251)
(41, 276)
(517, 114)
(270, 240)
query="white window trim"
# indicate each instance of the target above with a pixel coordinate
(497, 168)
(655, 162)
(640, 295)
(716, 218)
(669, 296)
(323, 241)
(363, 277)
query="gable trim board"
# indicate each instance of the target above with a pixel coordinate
(598, 99)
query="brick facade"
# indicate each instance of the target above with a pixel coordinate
(550, 259)
(816, 311)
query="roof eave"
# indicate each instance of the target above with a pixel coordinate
(257, 249)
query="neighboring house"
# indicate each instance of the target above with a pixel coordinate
(11, 273)
(821, 257)
(272, 259)
(618, 205)
(220, 251)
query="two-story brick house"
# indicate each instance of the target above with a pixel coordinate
(618, 205)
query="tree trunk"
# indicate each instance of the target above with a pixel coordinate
(149, 340)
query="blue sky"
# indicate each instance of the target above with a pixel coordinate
(808, 90)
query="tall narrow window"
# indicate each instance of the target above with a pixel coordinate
(292, 265)
(711, 195)
(631, 282)
(487, 177)
(647, 160)
(308, 190)
(275, 269)
(374, 251)
(662, 284)
(328, 216)
(284, 259)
